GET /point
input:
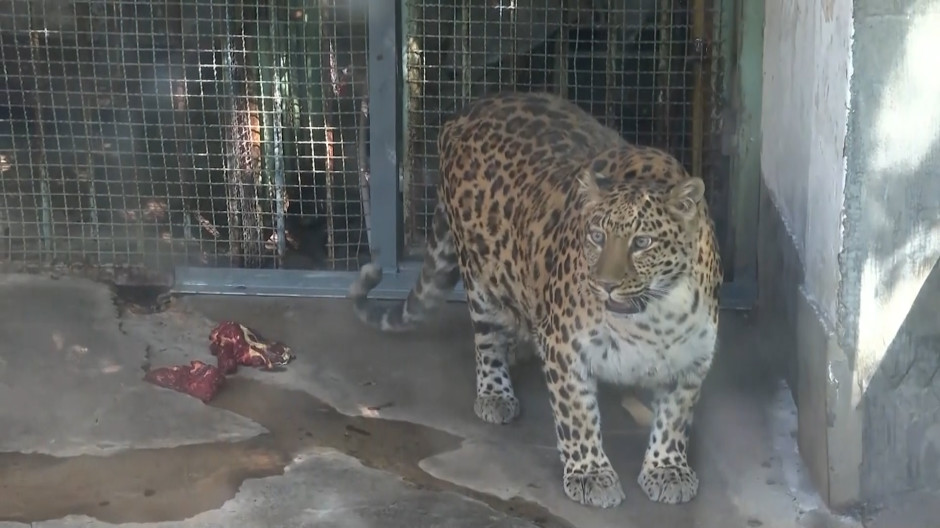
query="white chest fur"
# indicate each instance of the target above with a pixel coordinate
(655, 346)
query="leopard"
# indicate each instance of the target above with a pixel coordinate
(600, 253)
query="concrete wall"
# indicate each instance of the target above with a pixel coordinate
(807, 69)
(889, 301)
(804, 119)
(850, 231)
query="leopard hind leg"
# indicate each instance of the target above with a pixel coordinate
(495, 336)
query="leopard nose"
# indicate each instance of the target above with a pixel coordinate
(607, 285)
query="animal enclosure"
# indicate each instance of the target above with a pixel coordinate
(143, 137)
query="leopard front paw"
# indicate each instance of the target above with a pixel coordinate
(596, 487)
(669, 484)
(496, 408)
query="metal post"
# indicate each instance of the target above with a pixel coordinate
(747, 94)
(46, 228)
(698, 90)
(383, 133)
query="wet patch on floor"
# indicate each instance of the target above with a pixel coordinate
(140, 300)
(152, 485)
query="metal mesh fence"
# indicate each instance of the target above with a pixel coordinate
(145, 134)
(646, 68)
(140, 135)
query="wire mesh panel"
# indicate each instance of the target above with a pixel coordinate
(147, 134)
(643, 67)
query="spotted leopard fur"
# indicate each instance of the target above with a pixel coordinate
(601, 253)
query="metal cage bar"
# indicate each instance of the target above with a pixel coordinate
(384, 128)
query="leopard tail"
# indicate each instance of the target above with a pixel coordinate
(439, 274)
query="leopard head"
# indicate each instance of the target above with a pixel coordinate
(639, 236)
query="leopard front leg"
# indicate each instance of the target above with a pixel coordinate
(589, 478)
(666, 475)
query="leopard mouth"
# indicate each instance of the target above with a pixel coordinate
(632, 305)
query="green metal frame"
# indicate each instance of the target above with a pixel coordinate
(742, 50)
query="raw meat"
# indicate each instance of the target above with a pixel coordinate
(196, 379)
(234, 344)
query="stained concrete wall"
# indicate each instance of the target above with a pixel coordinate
(850, 231)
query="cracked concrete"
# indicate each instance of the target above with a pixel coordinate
(362, 429)
(329, 489)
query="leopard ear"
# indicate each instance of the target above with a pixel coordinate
(593, 184)
(685, 196)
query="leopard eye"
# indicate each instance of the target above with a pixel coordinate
(597, 236)
(642, 242)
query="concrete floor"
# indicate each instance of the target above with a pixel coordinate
(361, 430)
